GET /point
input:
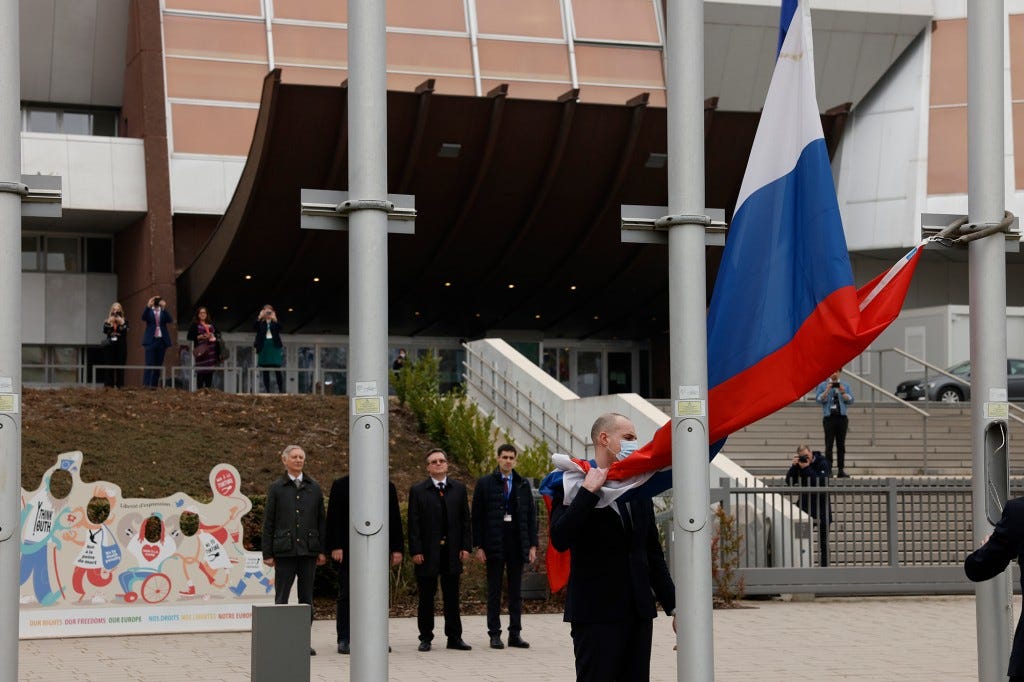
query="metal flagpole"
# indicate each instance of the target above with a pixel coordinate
(987, 268)
(10, 335)
(684, 80)
(368, 337)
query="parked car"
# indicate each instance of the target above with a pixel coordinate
(944, 389)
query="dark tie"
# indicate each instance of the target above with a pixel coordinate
(444, 517)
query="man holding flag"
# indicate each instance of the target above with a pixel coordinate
(617, 565)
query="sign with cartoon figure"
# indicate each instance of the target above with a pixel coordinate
(96, 563)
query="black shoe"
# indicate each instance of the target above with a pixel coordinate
(842, 474)
(458, 644)
(343, 647)
(424, 646)
(518, 642)
(312, 651)
(496, 642)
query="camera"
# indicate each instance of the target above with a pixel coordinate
(804, 459)
(156, 300)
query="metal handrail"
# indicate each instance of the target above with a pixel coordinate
(572, 435)
(872, 385)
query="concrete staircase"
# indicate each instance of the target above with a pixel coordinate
(883, 440)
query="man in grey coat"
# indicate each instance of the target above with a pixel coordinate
(294, 529)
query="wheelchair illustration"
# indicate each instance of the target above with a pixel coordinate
(153, 584)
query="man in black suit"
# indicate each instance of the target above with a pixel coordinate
(1004, 545)
(617, 566)
(439, 541)
(505, 535)
(337, 548)
(293, 530)
(156, 339)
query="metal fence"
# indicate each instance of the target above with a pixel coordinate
(887, 535)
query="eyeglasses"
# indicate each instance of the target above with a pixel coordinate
(437, 461)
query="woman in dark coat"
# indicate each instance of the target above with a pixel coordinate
(115, 346)
(205, 347)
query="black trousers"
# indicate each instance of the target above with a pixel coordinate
(835, 426)
(613, 652)
(286, 570)
(279, 375)
(425, 612)
(343, 614)
(822, 543)
(513, 565)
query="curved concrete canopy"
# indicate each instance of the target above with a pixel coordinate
(530, 198)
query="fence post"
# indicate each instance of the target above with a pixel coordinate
(892, 522)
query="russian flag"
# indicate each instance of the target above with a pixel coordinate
(784, 311)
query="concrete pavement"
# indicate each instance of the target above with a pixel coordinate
(878, 639)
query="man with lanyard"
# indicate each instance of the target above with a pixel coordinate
(505, 535)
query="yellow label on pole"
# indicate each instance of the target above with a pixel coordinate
(690, 408)
(373, 405)
(997, 410)
(9, 402)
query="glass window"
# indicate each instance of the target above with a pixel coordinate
(220, 38)
(205, 79)
(42, 121)
(588, 373)
(620, 372)
(32, 360)
(619, 65)
(450, 368)
(99, 254)
(430, 55)
(306, 361)
(29, 254)
(76, 123)
(312, 10)
(437, 15)
(62, 254)
(529, 349)
(104, 123)
(65, 360)
(534, 18)
(311, 46)
(333, 363)
(556, 363)
(619, 20)
(527, 61)
(247, 7)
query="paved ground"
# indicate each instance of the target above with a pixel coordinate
(901, 639)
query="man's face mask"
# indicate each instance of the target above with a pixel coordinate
(626, 448)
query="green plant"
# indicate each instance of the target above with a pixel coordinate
(725, 555)
(534, 461)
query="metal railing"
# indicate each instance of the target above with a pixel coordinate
(505, 395)
(887, 535)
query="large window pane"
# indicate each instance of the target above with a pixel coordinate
(311, 46)
(429, 55)
(212, 130)
(104, 123)
(76, 123)
(527, 61)
(619, 65)
(437, 15)
(65, 364)
(32, 359)
(620, 372)
(626, 20)
(247, 7)
(204, 79)
(43, 121)
(307, 367)
(534, 18)
(333, 365)
(99, 254)
(62, 254)
(29, 254)
(222, 38)
(312, 10)
(588, 373)
(450, 368)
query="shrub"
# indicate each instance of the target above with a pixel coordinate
(725, 556)
(534, 461)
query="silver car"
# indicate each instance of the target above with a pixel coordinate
(941, 388)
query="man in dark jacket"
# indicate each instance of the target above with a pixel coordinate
(505, 535)
(811, 469)
(439, 541)
(337, 547)
(1005, 544)
(293, 529)
(617, 566)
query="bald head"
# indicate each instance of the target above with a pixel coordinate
(607, 434)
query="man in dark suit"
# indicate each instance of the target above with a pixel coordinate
(505, 535)
(293, 530)
(337, 547)
(439, 541)
(617, 565)
(1004, 545)
(156, 339)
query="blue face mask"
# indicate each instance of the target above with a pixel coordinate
(627, 448)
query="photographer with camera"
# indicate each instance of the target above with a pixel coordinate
(811, 469)
(834, 395)
(156, 339)
(269, 347)
(115, 346)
